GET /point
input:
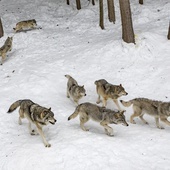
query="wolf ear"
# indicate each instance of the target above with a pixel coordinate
(83, 86)
(49, 109)
(42, 115)
(120, 85)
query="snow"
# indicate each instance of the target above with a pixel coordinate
(71, 42)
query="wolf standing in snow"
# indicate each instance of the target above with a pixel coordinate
(74, 91)
(105, 116)
(36, 114)
(6, 48)
(157, 109)
(107, 90)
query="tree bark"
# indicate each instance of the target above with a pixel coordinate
(101, 20)
(168, 36)
(127, 26)
(93, 2)
(68, 2)
(78, 4)
(111, 11)
(1, 29)
(141, 2)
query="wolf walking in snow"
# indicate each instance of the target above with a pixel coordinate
(36, 114)
(105, 116)
(157, 109)
(25, 25)
(107, 90)
(6, 48)
(74, 91)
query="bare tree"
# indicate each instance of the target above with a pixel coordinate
(141, 2)
(78, 4)
(68, 2)
(127, 26)
(168, 36)
(101, 20)
(1, 29)
(111, 11)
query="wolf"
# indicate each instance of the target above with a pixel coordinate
(151, 107)
(29, 24)
(105, 116)
(6, 48)
(74, 91)
(36, 114)
(107, 90)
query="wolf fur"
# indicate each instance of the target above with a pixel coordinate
(74, 91)
(29, 24)
(6, 48)
(105, 116)
(107, 90)
(36, 114)
(154, 108)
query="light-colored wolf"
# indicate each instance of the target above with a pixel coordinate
(157, 109)
(107, 90)
(23, 25)
(6, 48)
(36, 114)
(74, 91)
(105, 116)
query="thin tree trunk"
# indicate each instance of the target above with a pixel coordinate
(141, 2)
(111, 11)
(1, 29)
(68, 2)
(168, 36)
(101, 20)
(93, 2)
(127, 26)
(78, 4)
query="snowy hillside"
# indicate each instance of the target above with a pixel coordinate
(71, 42)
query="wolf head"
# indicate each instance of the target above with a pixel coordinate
(81, 91)
(48, 116)
(119, 118)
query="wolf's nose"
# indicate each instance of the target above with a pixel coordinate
(126, 93)
(85, 95)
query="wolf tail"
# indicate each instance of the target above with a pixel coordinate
(127, 104)
(75, 114)
(68, 76)
(14, 106)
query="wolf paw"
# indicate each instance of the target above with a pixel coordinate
(47, 145)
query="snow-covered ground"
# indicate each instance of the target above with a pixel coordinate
(71, 42)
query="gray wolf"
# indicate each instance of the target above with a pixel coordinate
(105, 116)
(74, 91)
(22, 25)
(155, 108)
(36, 114)
(6, 48)
(107, 90)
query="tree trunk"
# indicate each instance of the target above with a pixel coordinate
(168, 36)
(68, 2)
(111, 11)
(127, 26)
(1, 29)
(101, 20)
(78, 4)
(93, 2)
(141, 2)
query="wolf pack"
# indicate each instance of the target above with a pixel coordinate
(41, 116)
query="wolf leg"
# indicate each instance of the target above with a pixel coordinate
(83, 120)
(108, 129)
(163, 119)
(137, 112)
(117, 104)
(46, 144)
(157, 123)
(144, 121)
(98, 99)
